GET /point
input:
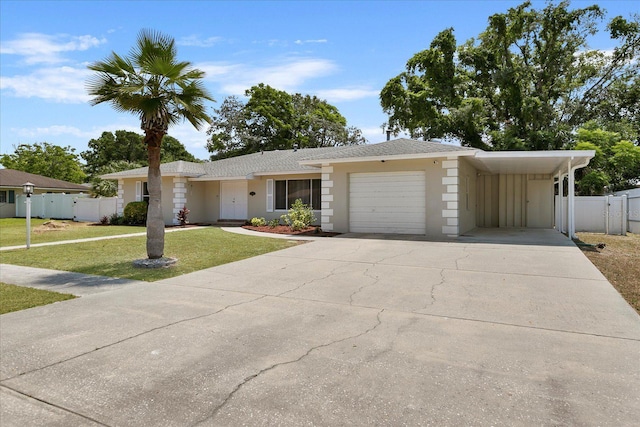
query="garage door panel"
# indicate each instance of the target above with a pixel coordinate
(390, 202)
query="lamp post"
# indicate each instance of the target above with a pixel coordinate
(27, 189)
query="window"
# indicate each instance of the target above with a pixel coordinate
(287, 191)
(142, 192)
(3, 196)
(145, 192)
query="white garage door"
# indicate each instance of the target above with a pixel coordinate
(389, 202)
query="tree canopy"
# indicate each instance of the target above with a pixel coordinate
(526, 83)
(272, 119)
(616, 165)
(47, 160)
(152, 84)
(127, 146)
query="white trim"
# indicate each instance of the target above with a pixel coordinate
(138, 191)
(270, 194)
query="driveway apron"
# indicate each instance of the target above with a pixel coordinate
(492, 329)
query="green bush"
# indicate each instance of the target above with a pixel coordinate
(300, 216)
(116, 219)
(258, 222)
(274, 223)
(135, 213)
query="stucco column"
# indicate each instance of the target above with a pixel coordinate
(120, 200)
(450, 197)
(179, 197)
(326, 220)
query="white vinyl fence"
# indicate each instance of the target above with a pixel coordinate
(78, 207)
(634, 214)
(92, 210)
(604, 214)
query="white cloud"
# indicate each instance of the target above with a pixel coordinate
(194, 140)
(310, 41)
(61, 84)
(40, 48)
(55, 130)
(287, 75)
(347, 94)
(195, 40)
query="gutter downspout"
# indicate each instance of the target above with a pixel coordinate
(572, 194)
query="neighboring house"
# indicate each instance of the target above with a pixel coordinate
(11, 182)
(401, 186)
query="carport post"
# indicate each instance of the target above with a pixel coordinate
(571, 194)
(560, 206)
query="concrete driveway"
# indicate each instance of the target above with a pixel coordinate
(515, 328)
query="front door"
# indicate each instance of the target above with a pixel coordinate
(233, 199)
(540, 203)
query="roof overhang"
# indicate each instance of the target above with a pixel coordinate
(320, 162)
(531, 162)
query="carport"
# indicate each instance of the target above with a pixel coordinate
(516, 189)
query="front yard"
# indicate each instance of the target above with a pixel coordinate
(196, 249)
(618, 261)
(13, 231)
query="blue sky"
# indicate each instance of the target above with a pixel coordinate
(341, 51)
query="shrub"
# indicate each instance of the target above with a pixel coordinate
(274, 223)
(135, 213)
(104, 220)
(300, 216)
(258, 222)
(116, 219)
(182, 216)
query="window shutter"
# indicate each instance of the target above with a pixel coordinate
(138, 191)
(269, 195)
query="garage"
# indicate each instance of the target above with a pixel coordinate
(388, 202)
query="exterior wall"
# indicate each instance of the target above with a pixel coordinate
(257, 204)
(503, 200)
(467, 203)
(488, 207)
(335, 192)
(128, 195)
(195, 200)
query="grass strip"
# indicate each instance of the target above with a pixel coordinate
(14, 298)
(618, 261)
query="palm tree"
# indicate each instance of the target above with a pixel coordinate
(152, 84)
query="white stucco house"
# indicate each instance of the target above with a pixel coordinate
(401, 186)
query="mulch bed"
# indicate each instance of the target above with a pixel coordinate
(284, 229)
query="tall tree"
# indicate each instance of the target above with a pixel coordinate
(47, 160)
(272, 119)
(527, 82)
(151, 83)
(126, 146)
(616, 165)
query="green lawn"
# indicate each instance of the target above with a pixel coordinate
(13, 231)
(195, 250)
(14, 298)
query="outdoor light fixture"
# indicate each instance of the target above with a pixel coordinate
(27, 189)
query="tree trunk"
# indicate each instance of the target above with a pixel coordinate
(155, 220)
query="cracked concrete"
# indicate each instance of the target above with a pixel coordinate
(334, 332)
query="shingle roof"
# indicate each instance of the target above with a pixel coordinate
(180, 168)
(280, 161)
(396, 147)
(15, 179)
(266, 161)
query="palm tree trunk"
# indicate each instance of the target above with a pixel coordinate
(155, 220)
